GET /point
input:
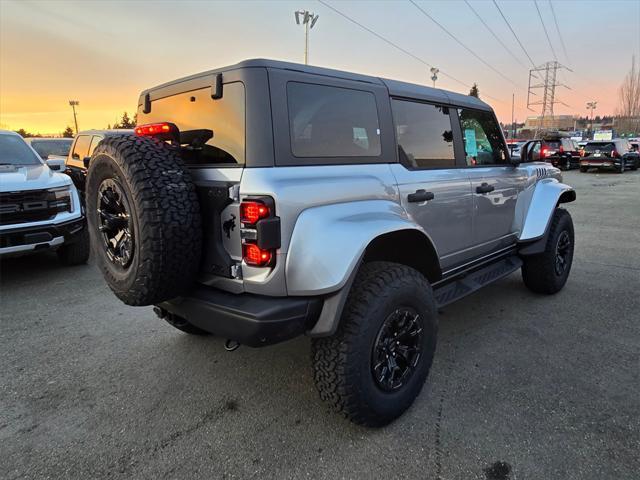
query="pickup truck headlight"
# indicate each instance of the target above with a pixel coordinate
(60, 199)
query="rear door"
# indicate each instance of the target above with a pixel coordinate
(495, 182)
(434, 191)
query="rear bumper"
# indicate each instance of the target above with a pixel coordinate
(250, 319)
(25, 239)
(600, 163)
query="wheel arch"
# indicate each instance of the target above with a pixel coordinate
(547, 195)
(417, 252)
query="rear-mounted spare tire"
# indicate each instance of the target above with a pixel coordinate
(144, 219)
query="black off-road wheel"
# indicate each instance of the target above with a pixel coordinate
(547, 272)
(144, 219)
(374, 366)
(77, 252)
(584, 169)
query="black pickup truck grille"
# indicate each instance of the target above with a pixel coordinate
(32, 205)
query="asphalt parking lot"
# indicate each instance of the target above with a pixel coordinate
(523, 386)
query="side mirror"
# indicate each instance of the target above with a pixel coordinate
(55, 164)
(526, 152)
(85, 161)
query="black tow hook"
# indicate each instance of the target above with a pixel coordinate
(231, 345)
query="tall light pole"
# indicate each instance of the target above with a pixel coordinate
(434, 75)
(592, 106)
(308, 19)
(73, 104)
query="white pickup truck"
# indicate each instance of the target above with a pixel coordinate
(39, 207)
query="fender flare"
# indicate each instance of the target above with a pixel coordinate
(548, 194)
(329, 241)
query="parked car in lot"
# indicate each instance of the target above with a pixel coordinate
(267, 200)
(39, 206)
(83, 146)
(560, 151)
(55, 147)
(614, 154)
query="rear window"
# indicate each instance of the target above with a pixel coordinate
(601, 147)
(52, 147)
(332, 122)
(196, 110)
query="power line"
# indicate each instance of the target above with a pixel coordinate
(398, 47)
(555, 20)
(494, 34)
(514, 34)
(462, 44)
(544, 27)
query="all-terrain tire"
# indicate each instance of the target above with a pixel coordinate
(164, 218)
(76, 253)
(584, 169)
(343, 363)
(540, 272)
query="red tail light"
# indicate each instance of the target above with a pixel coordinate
(254, 256)
(163, 131)
(561, 149)
(543, 153)
(251, 212)
(614, 154)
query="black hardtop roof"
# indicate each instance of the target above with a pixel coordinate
(395, 87)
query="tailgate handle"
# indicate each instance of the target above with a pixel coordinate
(420, 196)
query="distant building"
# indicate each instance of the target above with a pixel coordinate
(557, 122)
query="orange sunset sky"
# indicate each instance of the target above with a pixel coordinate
(103, 53)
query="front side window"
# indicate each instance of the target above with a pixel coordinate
(483, 142)
(332, 122)
(15, 151)
(81, 147)
(425, 138)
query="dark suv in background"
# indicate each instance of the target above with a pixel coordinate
(560, 151)
(615, 154)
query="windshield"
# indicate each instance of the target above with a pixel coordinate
(52, 147)
(15, 151)
(601, 147)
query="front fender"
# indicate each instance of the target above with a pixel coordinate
(547, 194)
(328, 242)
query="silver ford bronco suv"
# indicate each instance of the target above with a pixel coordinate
(267, 200)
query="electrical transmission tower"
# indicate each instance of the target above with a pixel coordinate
(544, 77)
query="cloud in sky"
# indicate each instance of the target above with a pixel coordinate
(103, 53)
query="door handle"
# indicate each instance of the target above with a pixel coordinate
(420, 196)
(485, 188)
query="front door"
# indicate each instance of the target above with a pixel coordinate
(495, 182)
(434, 192)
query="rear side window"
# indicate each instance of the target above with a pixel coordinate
(424, 134)
(332, 121)
(94, 143)
(81, 147)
